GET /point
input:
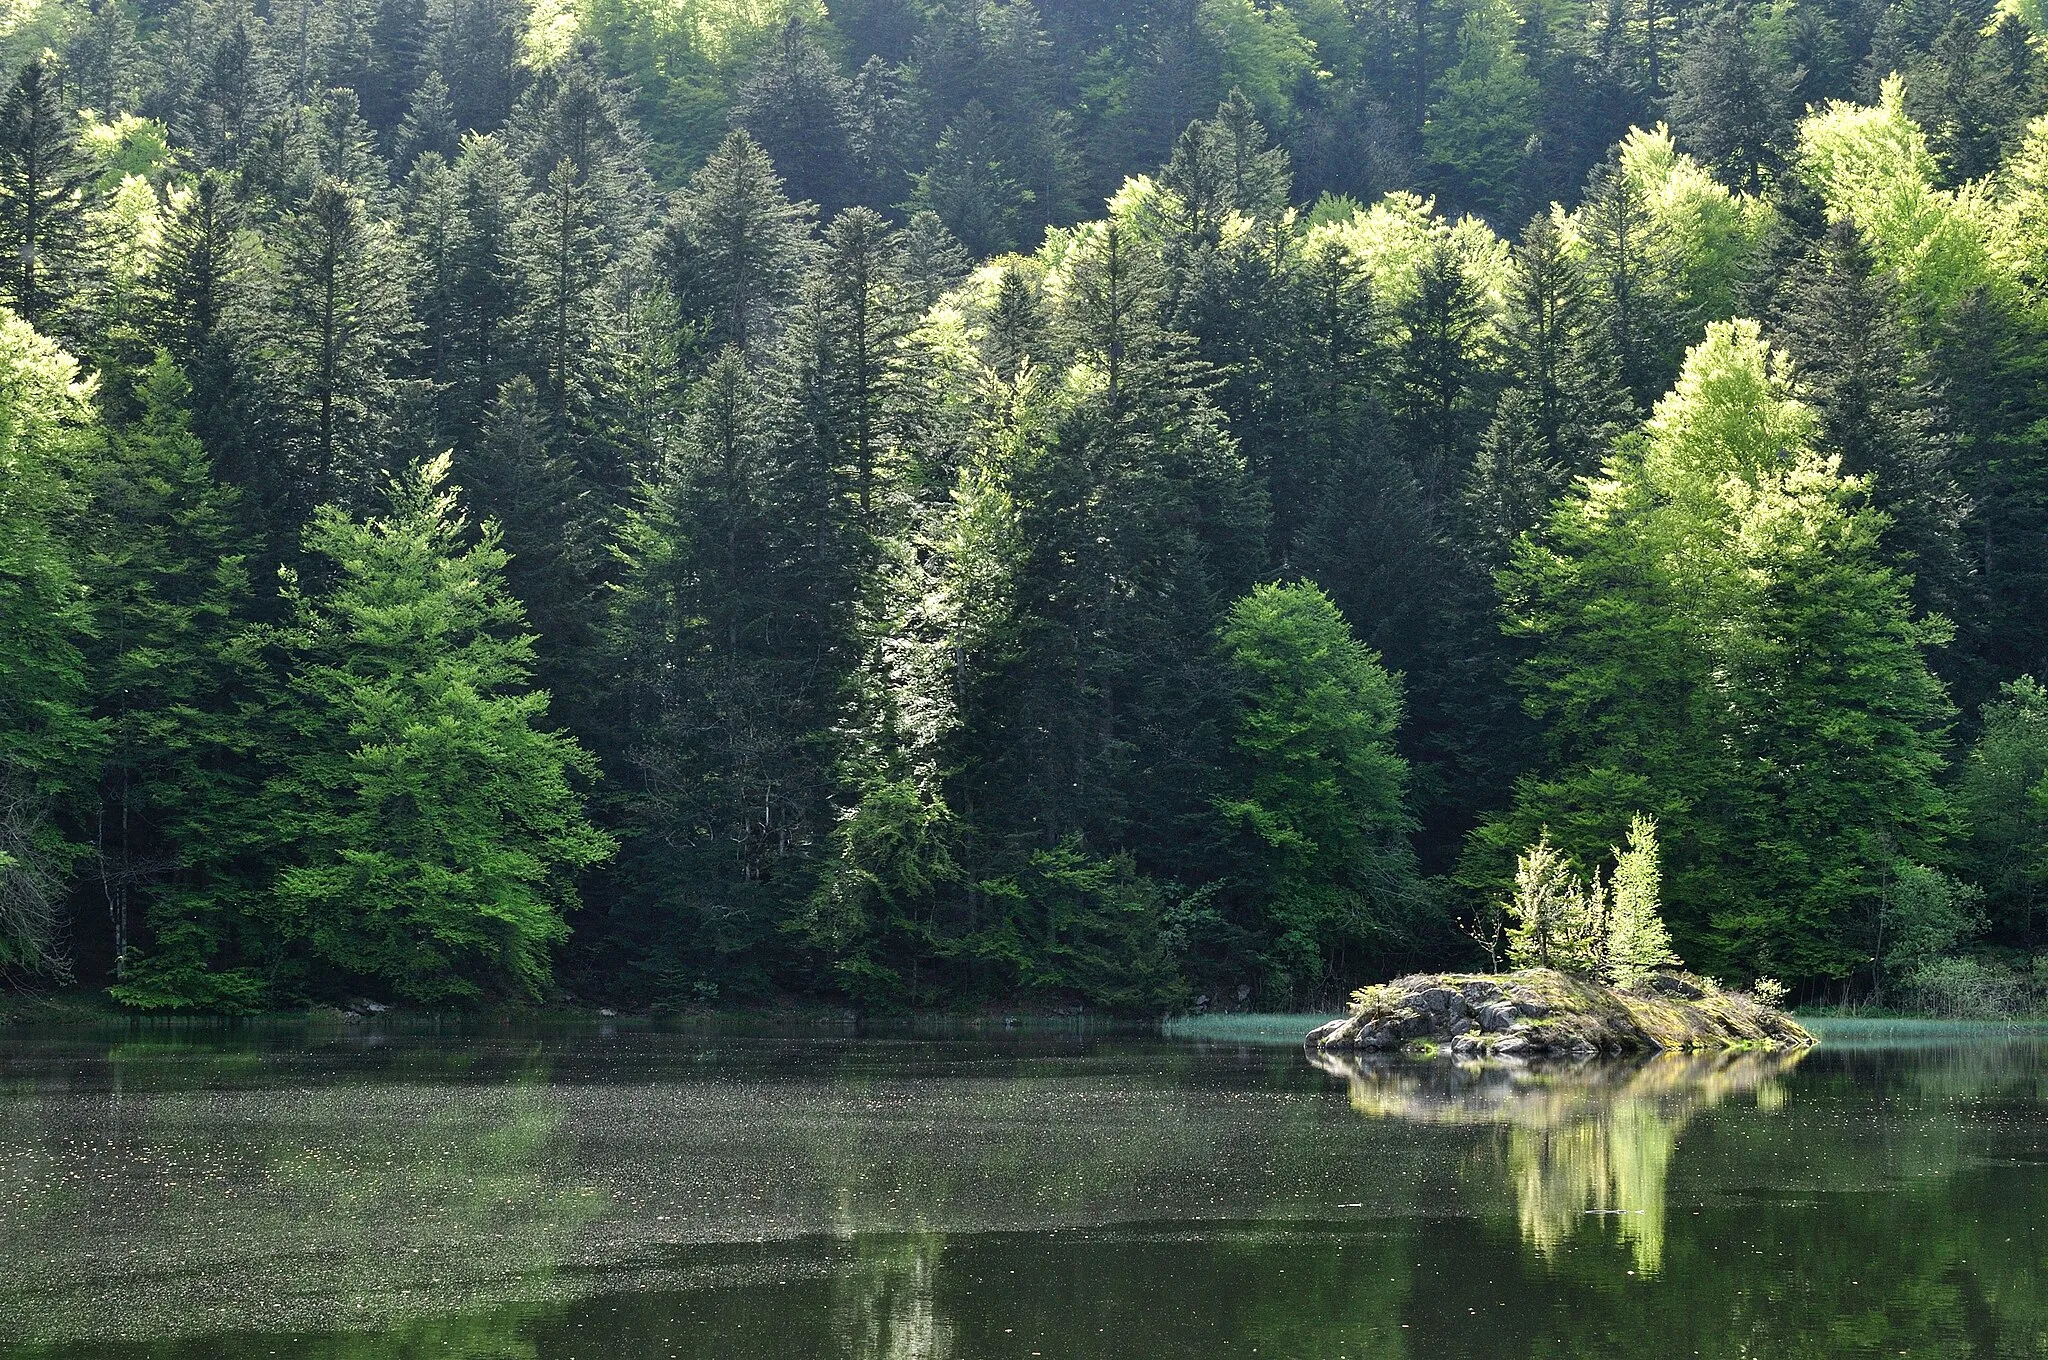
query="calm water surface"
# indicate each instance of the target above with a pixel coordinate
(617, 1194)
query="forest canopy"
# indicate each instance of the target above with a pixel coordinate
(1133, 504)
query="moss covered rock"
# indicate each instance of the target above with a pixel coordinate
(1540, 1012)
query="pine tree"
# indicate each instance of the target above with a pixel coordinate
(482, 351)
(1630, 286)
(1731, 102)
(934, 262)
(336, 320)
(200, 287)
(734, 246)
(730, 622)
(1554, 916)
(431, 822)
(45, 198)
(851, 382)
(520, 479)
(1637, 942)
(1437, 368)
(474, 46)
(1558, 353)
(437, 234)
(219, 101)
(562, 256)
(104, 59)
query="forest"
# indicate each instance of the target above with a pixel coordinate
(1125, 505)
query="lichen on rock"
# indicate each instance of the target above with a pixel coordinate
(1540, 1012)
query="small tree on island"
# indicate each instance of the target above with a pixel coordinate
(1637, 942)
(1556, 918)
(1586, 926)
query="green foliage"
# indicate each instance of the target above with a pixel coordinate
(908, 596)
(1923, 916)
(431, 824)
(1637, 942)
(1709, 616)
(1316, 800)
(50, 742)
(1612, 929)
(2002, 792)
(1555, 918)
(1480, 126)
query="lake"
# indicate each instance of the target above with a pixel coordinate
(617, 1192)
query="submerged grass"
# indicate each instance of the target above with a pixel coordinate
(1892, 1031)
(1246, 1028)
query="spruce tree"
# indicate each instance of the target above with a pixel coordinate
(431, 824)
(46, 192)
(474, 46)
(562, 256)
(1637, 942)
(729, 624)
(429, 125)
(969, 188)
(733, 246)
(336, 320)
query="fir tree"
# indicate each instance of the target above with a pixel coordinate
(968, 187)
(1731, 103)
(50, 742)
(429, 125)
(337, 318)
(171, 587)
(1843, 329)
(432, 825)
(800, 110)
(45, 197)
(734, 246)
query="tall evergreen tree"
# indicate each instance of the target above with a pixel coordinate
(800, 110)
(335, 320)
(45, 198)
(1731, 102)
(733, 245)
(168, 567)
(1843, 330)
(431, 825)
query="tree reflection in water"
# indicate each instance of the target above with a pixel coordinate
(884, 1304)
(1584, 1141)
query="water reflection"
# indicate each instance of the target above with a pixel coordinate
(884, 1301)
(1585, 1142)
(656, 1198)
(283, 1210)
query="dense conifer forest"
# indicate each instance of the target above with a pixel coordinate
(1131, 504)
